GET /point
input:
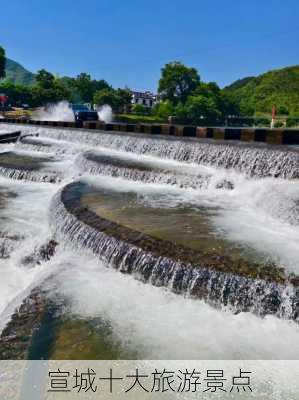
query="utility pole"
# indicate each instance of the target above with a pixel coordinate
(273, 117)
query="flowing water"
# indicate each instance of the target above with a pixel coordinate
(239, 201)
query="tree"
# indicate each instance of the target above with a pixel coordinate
(124, 98)
(177, 82)
(198, 108)
(282, 110)
(84, 86)
(117, 99)
(229, 106)
(99, 85)
(87, 87)
(164, 109)
(44, 79)
(17, 94)
(140, 109)
(223, 101)
(69, 85)
(2, 63)
(48, 89)
(106, 96)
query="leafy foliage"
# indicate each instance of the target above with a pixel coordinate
(197, 108)
(177, 82)
(87, 87)
(189, 99)
(117, 99)
(2, 62)
(17, 94)
(259, 94)
(164, 109)
(139, 109)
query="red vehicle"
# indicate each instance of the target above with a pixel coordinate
(3, 100)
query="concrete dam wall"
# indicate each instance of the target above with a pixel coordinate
(266, 135)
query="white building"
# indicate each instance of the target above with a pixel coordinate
(146, 99)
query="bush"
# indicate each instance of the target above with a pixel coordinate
(278, 124)
(163, 110)
(134, 119)
(139, 109)
(292, 122)
(282, 110)
(197, 109)
(262, 122)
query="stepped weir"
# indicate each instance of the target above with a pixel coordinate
(163, 263)
(209, 220)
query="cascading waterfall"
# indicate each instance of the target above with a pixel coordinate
(99, 164)
(34, 167)
(44, 145)
(23, 241)
(270, 203)
(8, 243)
(30, 175)
(250, 159)
(220, 289)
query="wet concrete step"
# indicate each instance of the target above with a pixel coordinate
(9, 137)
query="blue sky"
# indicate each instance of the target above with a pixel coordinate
(126, 42)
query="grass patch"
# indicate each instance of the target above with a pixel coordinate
(134, 119)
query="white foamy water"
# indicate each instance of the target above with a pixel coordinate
(55, 112)
(260, 211)
(161, 325)
(47, 145)
(24, 216)
(105, 113)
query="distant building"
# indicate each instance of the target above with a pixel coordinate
(146, 99)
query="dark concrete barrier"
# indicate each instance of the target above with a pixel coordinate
(201, 132)
(232, 134)
(167, 129)
(247, 135)
(290, 137)
(260, 135)
(156, 130)
(178, 130)
(130, 128)
(274, 136)
(94, 125)
(267, 135)
(218, 133)
(145, 128)
(189, 131)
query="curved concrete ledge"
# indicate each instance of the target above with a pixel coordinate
(164, 263)
(101, 163)
(44, 145)
(16, 337)
(20, 333)
(9, 137)
(18, 166)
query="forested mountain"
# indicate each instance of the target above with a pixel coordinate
(279, 87)
(17, 74)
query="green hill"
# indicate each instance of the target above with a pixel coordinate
(257, 95)
(16, 73)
